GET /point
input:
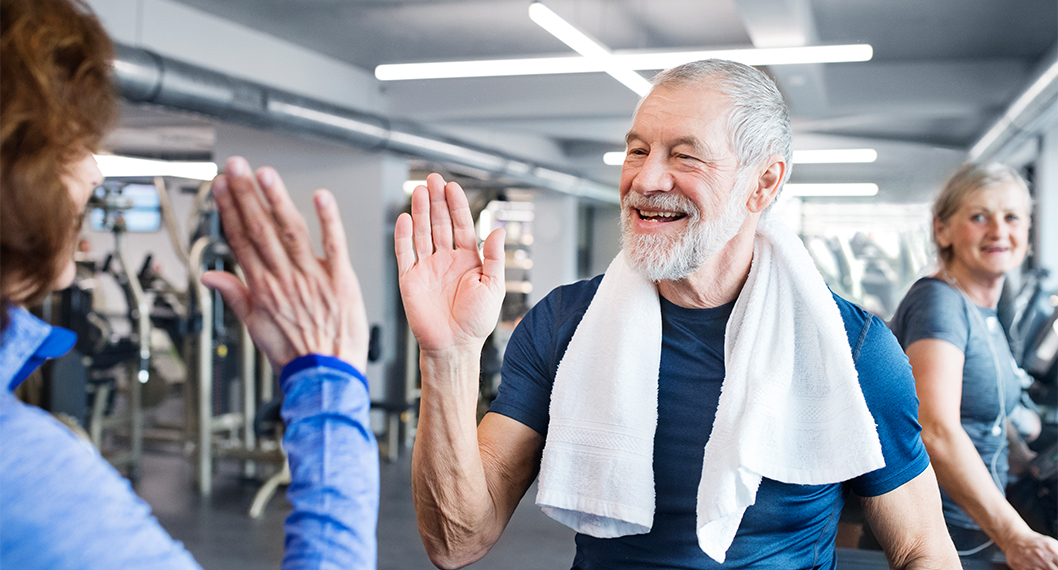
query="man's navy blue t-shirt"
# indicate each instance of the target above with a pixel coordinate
(789, 526)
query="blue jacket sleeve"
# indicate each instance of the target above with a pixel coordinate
(333, 464)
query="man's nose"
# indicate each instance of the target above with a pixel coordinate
(653, 175)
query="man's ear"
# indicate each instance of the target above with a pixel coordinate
(767, 184)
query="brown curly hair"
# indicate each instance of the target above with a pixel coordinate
(56, 103)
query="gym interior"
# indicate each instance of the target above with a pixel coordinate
(168, 385)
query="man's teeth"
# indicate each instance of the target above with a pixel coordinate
(660, 214)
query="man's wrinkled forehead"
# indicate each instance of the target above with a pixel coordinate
(708, 105)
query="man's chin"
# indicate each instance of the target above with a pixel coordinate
(656, 268)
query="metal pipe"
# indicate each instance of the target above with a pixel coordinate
(142, 367)
(145, 76)
(1017, 121)
(205, 369)
(165, 204)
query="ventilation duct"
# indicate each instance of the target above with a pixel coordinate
(1026, 117)
(144, 76)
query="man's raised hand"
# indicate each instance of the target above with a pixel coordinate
(293, 303)
(451, 295)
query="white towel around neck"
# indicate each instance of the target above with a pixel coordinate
(790, 408)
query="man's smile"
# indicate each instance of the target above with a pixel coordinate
(659, 216)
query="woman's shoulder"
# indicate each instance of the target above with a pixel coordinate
(932, 289)
(931, 295)
(931, 309)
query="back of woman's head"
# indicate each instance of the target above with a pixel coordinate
(56, 102)
(970, 178)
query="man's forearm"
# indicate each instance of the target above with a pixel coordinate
(334, 466)
(455, 511)
(908, 523)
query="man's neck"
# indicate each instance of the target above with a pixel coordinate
(720, 280)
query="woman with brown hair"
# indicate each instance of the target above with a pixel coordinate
(965, 375)
(61, 504)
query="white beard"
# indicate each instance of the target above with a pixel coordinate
(669, 258)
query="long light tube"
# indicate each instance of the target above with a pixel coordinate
(835, 156)
(825, 156)
(637, 62)
(410, 185)
(126, 166)
(587, 47)
(857, 189)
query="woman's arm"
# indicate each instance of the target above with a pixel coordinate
(333, 465)
(937, 366)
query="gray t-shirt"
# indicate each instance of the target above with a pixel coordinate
(934, 309)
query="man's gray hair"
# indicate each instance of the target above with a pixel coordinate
(758, 122)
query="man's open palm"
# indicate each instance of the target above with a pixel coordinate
(451, 295)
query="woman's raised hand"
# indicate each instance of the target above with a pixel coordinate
(293, 303)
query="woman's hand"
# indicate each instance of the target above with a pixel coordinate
(451, 295)
(1031, 551)
(293, 303)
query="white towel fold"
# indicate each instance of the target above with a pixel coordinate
(790, 408)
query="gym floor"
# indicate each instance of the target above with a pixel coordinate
(221, 535)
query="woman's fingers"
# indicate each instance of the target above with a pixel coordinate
(257, 220)
(232, 290)
(290, 226)
(234, 230)
(335, 248)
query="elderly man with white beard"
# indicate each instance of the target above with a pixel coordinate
(706, 403)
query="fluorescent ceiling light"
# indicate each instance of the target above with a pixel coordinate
(831, 156)
(565, 32)
(587, 47)
(835, 156)
(638, 62)
(864, 189)
(125, 166)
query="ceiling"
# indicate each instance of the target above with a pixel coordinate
(942, 72)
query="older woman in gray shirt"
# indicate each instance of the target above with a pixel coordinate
(965, 375)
